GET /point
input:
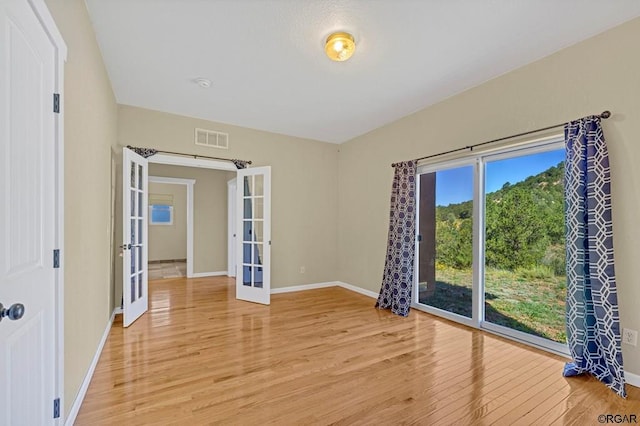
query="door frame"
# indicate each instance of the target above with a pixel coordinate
(43, 14)
(189, 184)
(203, 163)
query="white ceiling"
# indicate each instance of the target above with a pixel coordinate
(268, 69)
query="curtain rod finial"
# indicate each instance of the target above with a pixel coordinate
(605, 114)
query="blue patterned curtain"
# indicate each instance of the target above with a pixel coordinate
(593, 329)
(397, 281)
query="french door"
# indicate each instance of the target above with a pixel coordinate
(135, 239)
(253, 230)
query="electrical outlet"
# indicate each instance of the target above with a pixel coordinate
(630, 337)
(303, 269)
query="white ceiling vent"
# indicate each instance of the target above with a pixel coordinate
(212, 139)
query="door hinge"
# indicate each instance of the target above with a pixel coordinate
(419, 237)
(56, 258)
(56, 103)
(56, 408)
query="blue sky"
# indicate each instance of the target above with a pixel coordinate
(456, 185)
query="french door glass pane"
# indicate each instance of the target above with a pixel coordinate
(247, 208)
(257, 277)
(246, 275)
(258, 231)
(133, 175)
(247, 234)
(257, 254)
(258, 208)
(525, 277)
(446, 245)
(259, 185)
(248, 186)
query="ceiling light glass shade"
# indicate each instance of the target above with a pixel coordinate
(340, 46)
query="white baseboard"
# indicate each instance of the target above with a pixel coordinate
(208, 274)
(75, 408)
(360, 290)
(302, 287)
(632, 379)
(313, 286)
(117, 311)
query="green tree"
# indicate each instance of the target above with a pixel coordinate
(453, 242)
(515, 231)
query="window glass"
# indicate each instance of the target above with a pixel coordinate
(160, 214)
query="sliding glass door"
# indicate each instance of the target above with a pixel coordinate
(491, 250)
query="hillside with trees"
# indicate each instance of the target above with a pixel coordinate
(524, 226)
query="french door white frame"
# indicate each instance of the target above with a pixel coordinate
(478, 160)
(248, 198)
(135, 241)
(189, 184)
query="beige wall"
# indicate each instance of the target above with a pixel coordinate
(600, 73)
(90, 121)
(304, 185)
(169, 242)
(209, 213)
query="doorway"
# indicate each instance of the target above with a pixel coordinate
(207, 211)
(170, 227)
(252, 211)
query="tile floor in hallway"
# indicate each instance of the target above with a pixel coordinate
(159, 270)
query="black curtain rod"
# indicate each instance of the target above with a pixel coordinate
(148, 152)
(201, 156)
(604, 116)
(240, 164)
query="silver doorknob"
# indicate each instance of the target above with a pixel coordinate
(15, 311)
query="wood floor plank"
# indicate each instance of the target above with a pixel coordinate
(325, 356)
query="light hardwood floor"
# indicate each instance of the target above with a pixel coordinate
(324, 357)
(167, 269)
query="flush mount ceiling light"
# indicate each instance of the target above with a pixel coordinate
(202, 82)
(340, 46)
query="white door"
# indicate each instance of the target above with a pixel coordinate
(28, 355)
(134, 247)
(253, 230)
